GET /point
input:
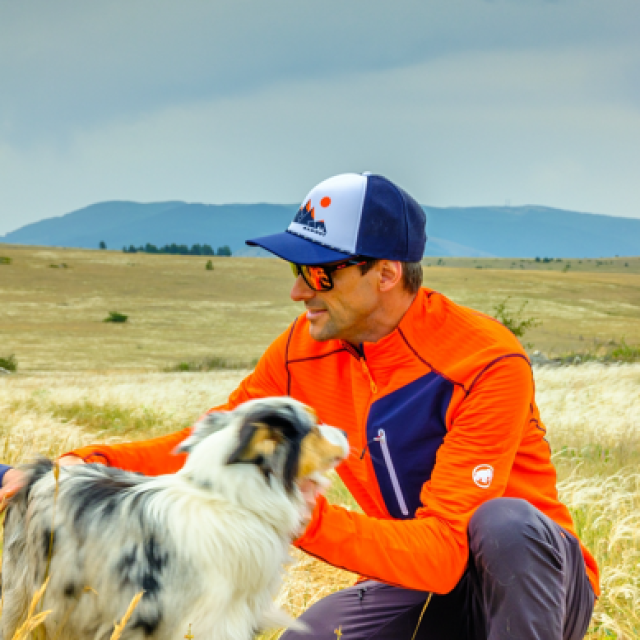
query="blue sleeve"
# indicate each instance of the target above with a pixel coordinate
(3, 469)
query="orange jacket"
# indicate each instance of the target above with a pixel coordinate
(441, 416)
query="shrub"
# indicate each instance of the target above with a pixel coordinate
(9, 363)
(214, 363)
(5, 260)
(626, 352)
(514, 321)
(209, 265)
(114, 316)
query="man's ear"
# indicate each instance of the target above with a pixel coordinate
(390, 274)
(208, 424)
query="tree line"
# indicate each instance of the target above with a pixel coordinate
(177, 249)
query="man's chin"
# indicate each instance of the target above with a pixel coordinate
(320, 332)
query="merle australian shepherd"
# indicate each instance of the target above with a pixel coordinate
(206, 545)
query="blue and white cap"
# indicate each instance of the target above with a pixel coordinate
(352, 215)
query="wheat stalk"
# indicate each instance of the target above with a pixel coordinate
(33, 619)
(119, 628)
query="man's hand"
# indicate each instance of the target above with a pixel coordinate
(11, 483)
(14, 480)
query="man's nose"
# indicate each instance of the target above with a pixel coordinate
(301, 291)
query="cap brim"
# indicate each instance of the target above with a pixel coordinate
(293, 248)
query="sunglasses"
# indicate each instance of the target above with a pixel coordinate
(319, 277)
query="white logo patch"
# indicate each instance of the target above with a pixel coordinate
(483, 475)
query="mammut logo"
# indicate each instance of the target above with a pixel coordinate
(483, 475)
(306, 216)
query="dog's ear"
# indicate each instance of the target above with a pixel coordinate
(263, 436)
(208, 424)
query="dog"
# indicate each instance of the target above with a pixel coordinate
(206, 545)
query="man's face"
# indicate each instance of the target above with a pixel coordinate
(345, 311)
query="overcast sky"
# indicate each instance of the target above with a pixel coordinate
(461, 102)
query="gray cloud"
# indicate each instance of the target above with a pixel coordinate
(463, 102)
(68, 64)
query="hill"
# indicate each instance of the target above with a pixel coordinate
(526, 231)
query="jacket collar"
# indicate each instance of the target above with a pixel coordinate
(396, 348)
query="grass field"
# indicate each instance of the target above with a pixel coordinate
(559, 265)
(81, 380)
(51, 317)
(592, 413)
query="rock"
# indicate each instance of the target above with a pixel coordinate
(538, 358)
(4, 372)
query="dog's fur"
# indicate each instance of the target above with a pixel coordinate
(207, 545)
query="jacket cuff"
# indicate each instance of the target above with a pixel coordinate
(89, 456)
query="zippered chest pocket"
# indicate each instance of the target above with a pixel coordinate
(404, 432)
(391, 470)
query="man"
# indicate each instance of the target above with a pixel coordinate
(450, 465)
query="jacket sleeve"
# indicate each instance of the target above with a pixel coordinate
(429, 552)
(155, 456)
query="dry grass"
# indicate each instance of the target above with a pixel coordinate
(81, 380)
(34, 619)
(31, 627)
(580, 311)
(119, 627)
(592, 413)
(51, 319)
(596, 265)
(52, 413)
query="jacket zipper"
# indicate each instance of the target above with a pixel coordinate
(372, 384)
(382, 439)
(359, 354)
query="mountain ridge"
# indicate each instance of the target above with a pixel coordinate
(524, 231)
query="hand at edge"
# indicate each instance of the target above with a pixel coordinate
(14, 480)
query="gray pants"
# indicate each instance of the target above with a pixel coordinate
(526, 579)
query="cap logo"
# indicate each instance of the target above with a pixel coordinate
(330, 215)
(306, 216)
